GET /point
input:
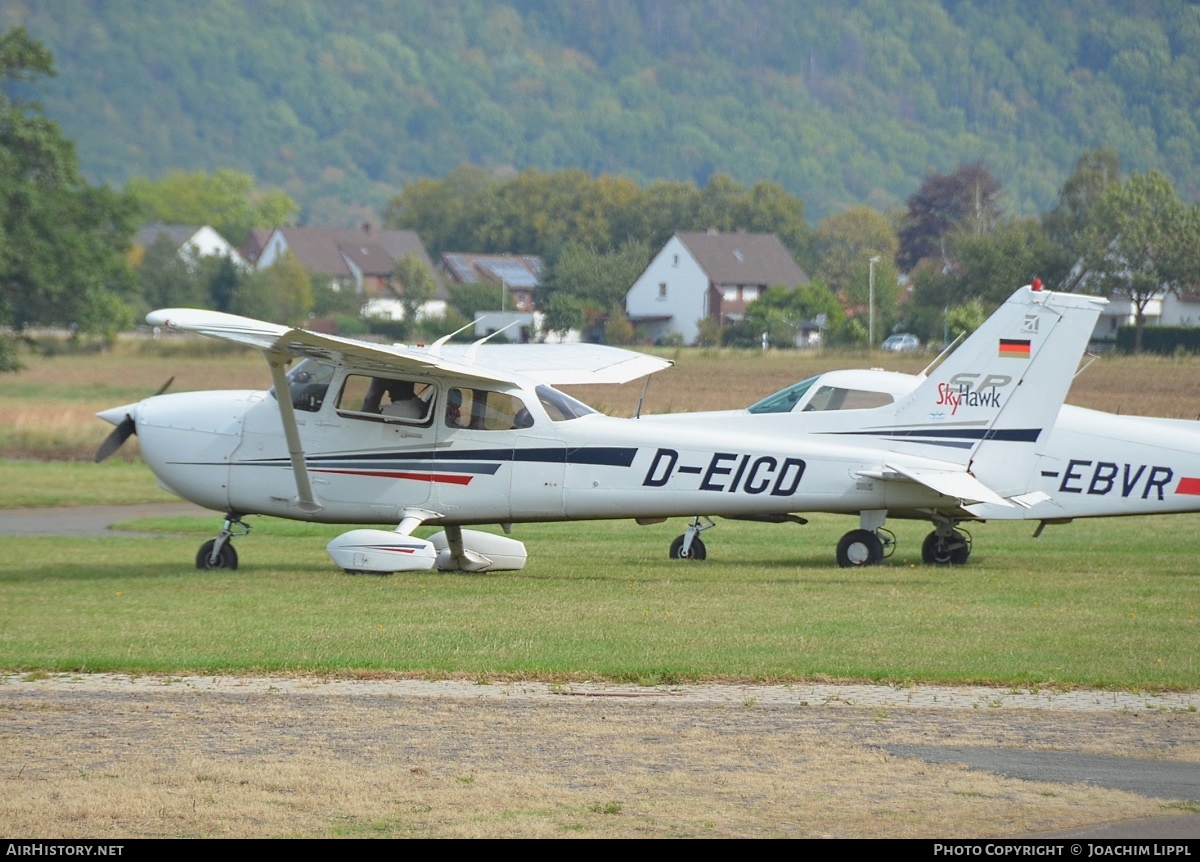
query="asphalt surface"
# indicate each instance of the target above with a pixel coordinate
(1163, 779)
(91, 520)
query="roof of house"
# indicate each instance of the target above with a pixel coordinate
(516, 271)
(321, 249)
(148, 234)
(743, 258)
(256, 241)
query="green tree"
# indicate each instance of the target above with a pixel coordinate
(989, 267)
(1068, 223)
(413, 284)
(470, 297)
(965, 318)
(618, 329)
(281, 293)
(167, 279)
(843, 242)
(564, 312)
(62, 241)
(965, 200)
(1143, 242)
(781, 313)
(596, 280)
(225, 199)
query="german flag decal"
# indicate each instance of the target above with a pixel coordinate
(1014, 348)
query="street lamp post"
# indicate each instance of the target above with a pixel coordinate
(871, 302)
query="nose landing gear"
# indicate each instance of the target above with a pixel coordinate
(688, 546)
(219, 553)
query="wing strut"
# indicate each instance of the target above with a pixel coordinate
(308, 501)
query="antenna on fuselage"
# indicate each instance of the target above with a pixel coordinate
(470, 357)
(435, 349)
(1091, 357)
(941, 357)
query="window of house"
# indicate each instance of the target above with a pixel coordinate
(662, 290)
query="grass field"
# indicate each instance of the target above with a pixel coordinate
(1102, 603)
(1082, 605)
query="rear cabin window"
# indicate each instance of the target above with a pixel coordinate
(834, 398)
(485, 410)
(390, 399)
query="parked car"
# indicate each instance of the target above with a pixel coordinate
(905, 342)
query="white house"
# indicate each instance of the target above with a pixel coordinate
(192, 241)
(707, 275)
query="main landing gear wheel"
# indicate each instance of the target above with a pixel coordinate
(695, 552)
(226, 558)
(859, 548)
(946, 550)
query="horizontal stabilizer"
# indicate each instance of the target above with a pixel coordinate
(959, 485)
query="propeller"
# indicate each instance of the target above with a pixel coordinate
(116, 439)
(125, 429)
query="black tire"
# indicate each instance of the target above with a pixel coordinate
(696, 552)
(227, 559)
(952, 551)
(859, 548)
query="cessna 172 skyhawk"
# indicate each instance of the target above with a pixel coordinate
(453, 436)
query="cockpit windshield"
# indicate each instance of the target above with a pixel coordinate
(559, 406)
(308, 383)
(784, 400)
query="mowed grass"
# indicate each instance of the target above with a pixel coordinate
(1108, 603)
(1097, 603)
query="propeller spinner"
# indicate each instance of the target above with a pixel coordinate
(122, 417)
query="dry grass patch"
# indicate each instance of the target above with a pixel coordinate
(179, 763)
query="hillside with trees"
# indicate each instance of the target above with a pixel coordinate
(340, 105)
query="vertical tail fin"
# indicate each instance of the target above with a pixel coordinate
(995, 398)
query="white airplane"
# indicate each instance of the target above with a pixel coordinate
(455, 436)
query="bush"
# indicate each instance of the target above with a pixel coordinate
(1161, 340)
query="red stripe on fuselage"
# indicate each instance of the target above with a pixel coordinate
(1189, 485)
(442, 478)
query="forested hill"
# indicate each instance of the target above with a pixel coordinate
(841, 102)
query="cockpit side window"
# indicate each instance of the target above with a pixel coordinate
(485, 410)
(394, 399)
(307, 384)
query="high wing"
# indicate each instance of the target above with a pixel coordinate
(558, 364)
